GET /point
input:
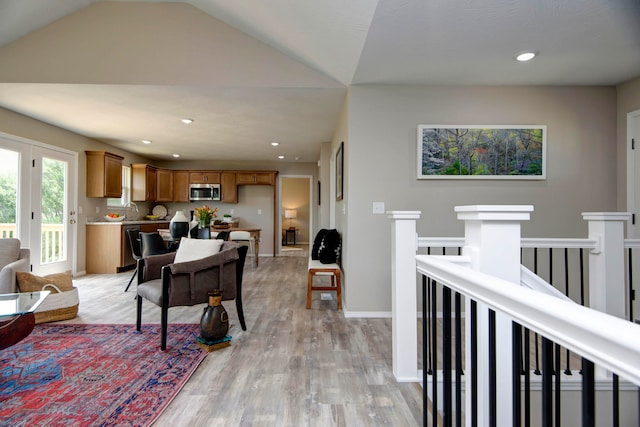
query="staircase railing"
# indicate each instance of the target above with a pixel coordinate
(488, 275)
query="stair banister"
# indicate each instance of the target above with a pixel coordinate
(492, 242)
(606, 263)
(404, 327)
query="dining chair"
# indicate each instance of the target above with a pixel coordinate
(134, 243)
(245, 238)
(152, 244)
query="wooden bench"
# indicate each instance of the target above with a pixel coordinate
(320, 269)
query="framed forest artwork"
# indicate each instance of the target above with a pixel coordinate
(482, 152)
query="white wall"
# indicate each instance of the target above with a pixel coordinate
(381, 157)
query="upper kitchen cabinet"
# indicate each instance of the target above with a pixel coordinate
(228, 187)
(164, 185)
(204, 177)
(143, 183)
(180, 186)
(256, 178)
(104, 174)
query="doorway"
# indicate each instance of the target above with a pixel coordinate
(38, 183)
(296, 214)
(633, 172)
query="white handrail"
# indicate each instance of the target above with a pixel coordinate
(607, 341)
(528, 242)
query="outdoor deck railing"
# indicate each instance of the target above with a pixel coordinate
(52, 240)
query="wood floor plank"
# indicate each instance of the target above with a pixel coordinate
(292, 367)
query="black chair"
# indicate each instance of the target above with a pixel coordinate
(223, 235)
(152, 244)
(136, 252)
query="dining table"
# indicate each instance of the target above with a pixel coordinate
(253, 232)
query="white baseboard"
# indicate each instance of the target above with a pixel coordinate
(367, 314)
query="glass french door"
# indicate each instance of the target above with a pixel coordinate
(36, 202)
(53, 217)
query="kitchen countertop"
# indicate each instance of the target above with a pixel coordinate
(127, 222)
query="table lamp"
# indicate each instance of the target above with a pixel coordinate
(290, 214)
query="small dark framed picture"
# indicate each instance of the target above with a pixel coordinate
(339, 171)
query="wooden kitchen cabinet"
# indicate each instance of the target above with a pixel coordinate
(164, 185)
(228, 187)
(104, 248)
(104, 174)
(255, 178)
(204, 177)
(180, 186)
(143, 183)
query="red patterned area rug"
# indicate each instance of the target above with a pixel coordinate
(86, 375)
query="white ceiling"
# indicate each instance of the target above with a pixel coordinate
(124, 71)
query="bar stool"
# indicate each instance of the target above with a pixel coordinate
(244, 237)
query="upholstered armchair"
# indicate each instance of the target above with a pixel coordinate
(12, 259)
(168, 284)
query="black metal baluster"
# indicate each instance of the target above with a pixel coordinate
(425, 314)
(474, 363)
(535, 270)
(527, 378)
(447, 407)
(581, 277)
(588, 394)
(517, 371)
(567, 369)
(458, 356)
(631, 292)
(434, 346)
(492, 370)
(547, 386)
(558, 388)
(425, 356)
(616, 401)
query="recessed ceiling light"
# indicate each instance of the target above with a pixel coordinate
(176, 155)
(187, 121)
(146, 141)
(525, 56)
(281, 157)
(275, 144)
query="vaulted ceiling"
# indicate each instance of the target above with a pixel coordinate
(251, 72)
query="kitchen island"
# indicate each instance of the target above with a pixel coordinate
(108, 250)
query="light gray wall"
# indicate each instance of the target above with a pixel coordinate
(380, 159)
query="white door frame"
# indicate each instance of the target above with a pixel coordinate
(26, 148)
(633, 168)
(279, 209)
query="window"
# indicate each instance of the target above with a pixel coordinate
(126, 189)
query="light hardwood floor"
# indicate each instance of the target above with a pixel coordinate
(292, 367)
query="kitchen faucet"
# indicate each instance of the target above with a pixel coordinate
(129, 205)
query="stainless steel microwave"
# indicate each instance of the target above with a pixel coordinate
(204, 192)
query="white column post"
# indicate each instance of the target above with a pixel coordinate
(606, 263)
(404, 325)
(492, 241)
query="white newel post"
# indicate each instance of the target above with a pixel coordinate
(492, 242)
(606, 263)
(404, 325)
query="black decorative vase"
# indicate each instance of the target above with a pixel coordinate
(179, 226)
(214, 323)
